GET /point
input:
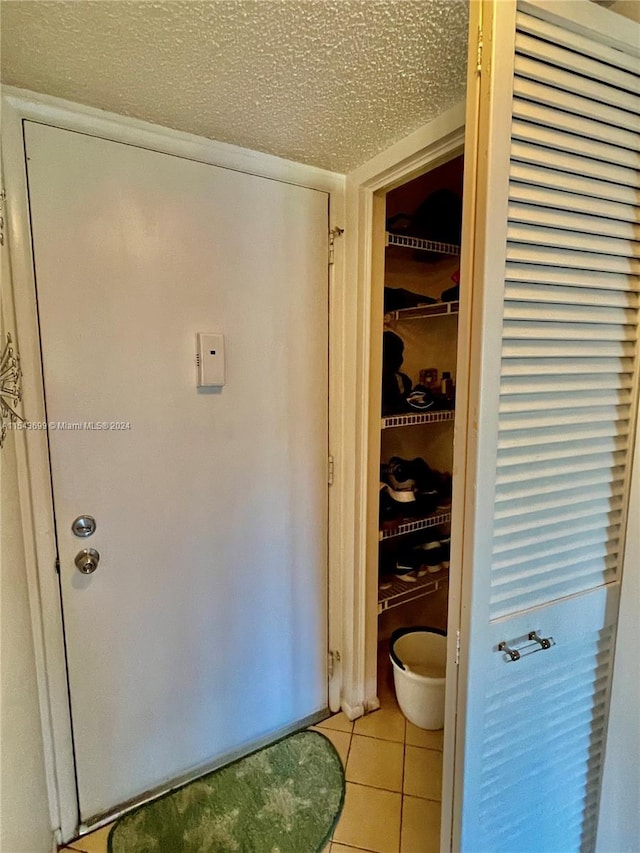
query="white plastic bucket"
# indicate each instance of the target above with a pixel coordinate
(419, 657)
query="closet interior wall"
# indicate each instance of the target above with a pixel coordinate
(430, 342)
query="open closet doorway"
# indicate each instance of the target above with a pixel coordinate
(418, 378)
(421, 305)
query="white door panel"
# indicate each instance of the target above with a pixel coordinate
(553, 403)
(544, 727)
(204, 627)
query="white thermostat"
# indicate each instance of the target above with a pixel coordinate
(209, 360)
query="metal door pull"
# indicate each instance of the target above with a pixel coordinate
(513, 654)
(538, 644)
(545, 642)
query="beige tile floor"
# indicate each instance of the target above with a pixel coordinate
(393, 772)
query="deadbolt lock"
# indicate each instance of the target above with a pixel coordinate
(87, 560)
(84, 525)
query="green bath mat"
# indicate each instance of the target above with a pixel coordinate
(285, 798)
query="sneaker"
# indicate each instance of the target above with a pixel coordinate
(421, 398)
(411, 473)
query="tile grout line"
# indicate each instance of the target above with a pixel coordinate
(398, 740)
(388, 790)
(404, 759)
(345, 781)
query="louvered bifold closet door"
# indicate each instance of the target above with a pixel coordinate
(562, 415)
(570, 319)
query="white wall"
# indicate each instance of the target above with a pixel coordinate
(619, 825)
(24, 809)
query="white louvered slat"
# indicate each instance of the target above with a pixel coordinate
(566, 134)
(509, 492)
(574, 514)
(528, 136)
(533, 253)
(573, 240)
(568, 699)
(537, 191)
(545, 550)
(589, 563)
(541, 418)
(525, 391)
(576, 158)
(606, 279)
(556, 295)
(534, 504)
(556, 401)
(537, 594)
(527, 539)
(579, 136)
(566, 211)
(518, 459)
(588, 314)
(569, 102)
(551, 175)
(552, 366)
(548, 329)
(583, 66)
(585, 87)
(510, 439)
(549, 32)
(570, 465)
(565, 349)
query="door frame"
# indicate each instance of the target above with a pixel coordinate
(430, 146)
(35, 495)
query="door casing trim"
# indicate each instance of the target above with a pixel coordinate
(35, 496)
(434, 144)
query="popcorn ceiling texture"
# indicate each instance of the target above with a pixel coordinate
(325, 82)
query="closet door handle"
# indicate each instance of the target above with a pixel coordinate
(513, 653)
(545, 642)
(537, 644)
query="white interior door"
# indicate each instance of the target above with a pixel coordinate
(204, 627)
(552, 399)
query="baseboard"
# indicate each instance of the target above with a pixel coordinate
(372, 705)
(352, 712)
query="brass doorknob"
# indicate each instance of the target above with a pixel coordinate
(87, 560)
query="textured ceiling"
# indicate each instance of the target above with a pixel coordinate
(326, 82)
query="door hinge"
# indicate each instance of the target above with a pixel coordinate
(57, 564)
(3, 196)
(333, 233)
(479, 54)
(332, 659)
(330, 470)
(457, 647)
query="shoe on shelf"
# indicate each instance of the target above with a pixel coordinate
(445, 555)
(421, 399)
(412, 473)
(398, 504)
(389, 515)
(427, 502)
(451, 294)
